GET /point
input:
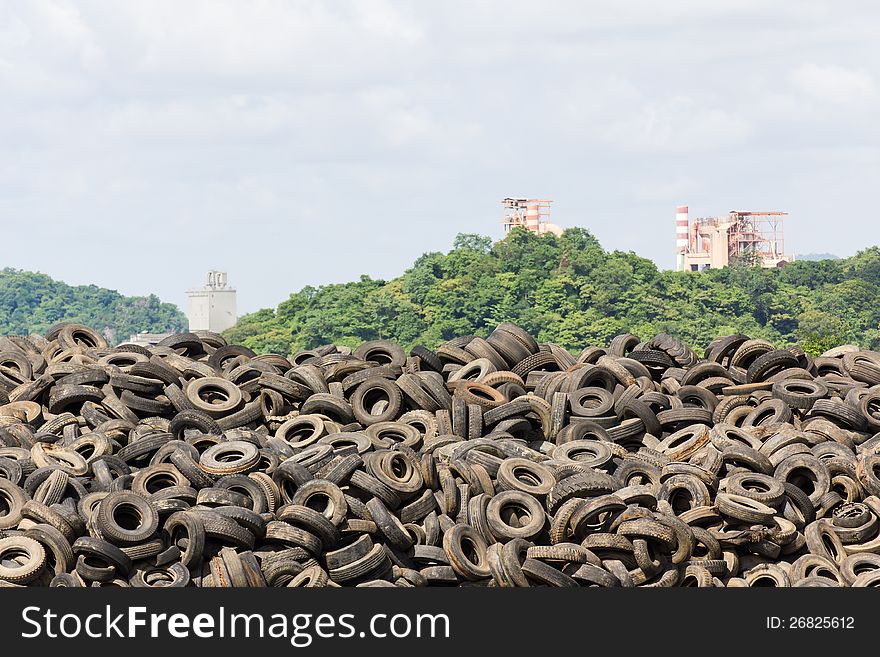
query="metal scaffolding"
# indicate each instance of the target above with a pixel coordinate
(530, 213)
(713, 242)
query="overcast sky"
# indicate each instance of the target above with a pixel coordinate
(298, 143)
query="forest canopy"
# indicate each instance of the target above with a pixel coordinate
(570, 291)
(32, 302)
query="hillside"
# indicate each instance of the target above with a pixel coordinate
(570, 291)
(31, 303)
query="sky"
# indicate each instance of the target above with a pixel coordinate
(297, 142)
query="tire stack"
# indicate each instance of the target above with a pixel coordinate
(483, 462)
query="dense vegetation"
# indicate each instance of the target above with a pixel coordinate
(570, 291)
(31, 303)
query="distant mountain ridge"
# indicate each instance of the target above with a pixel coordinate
(31, 302)
(815, 257)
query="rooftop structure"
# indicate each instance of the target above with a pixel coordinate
(148, 339)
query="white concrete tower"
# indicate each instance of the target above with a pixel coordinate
(213, 307)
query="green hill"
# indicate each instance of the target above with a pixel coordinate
(816, 256)
(31, 303)
(570, 291)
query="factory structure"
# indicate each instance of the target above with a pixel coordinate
(700, 243)
(212, 307)
(530, 213)
(712, 242)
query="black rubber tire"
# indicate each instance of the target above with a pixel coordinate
(769, 363)
(744, 509)
(461, 561)
(374, 562)
(525, 475)
(428, 357)
(502, 505)
(12, 499)
(103, 551)
(365, 397)
(820, 480)
(330, 405)
(763, 488)
(129, 507)
(193, 419)
(799, 393)
(313, 522)
(390, 526)
(383, 352)
(193, 529)
(841, 413)
(229, 458)
(282, 532)
(175, 575)
(546, 575)
(588, 484)
(334, 504)
(13, 570)
(214, 396)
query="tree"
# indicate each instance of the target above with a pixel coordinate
(32, 303)
(748, 257)
(820, 331)
(472, 242)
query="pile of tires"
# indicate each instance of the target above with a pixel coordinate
(484, 462)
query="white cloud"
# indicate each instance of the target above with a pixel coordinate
(65, 23)
(835, 84)
(679, 125)
(383, 127)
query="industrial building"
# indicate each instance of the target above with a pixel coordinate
(212, 307)
(148, 339)
(529, 213)
(712, 242)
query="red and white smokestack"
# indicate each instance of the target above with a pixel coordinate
(532, 217)
(681, 229)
